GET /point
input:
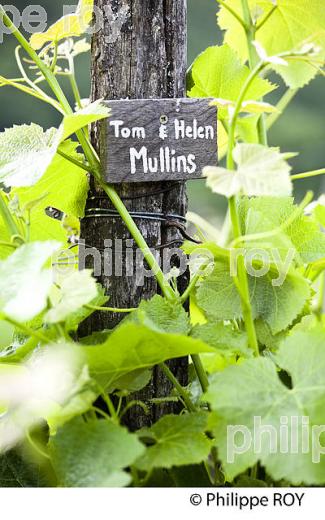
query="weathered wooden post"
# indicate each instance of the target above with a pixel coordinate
(140, 54)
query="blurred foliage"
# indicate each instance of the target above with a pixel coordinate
(300, 130)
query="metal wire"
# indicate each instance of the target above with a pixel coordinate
(112, 213)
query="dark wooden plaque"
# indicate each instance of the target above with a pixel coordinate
(158, 140)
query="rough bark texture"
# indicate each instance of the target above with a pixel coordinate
(140, 53)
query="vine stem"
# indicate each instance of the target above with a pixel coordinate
(256, 68)
(306, 175)
(250, 31)
(203, 378)
(266, 17)
(55, 56)
(243, 282)
(108, 309)
(111, 408)
(131, 404)
(73, 83)
(36, 447)
(181, 391)
(31, 92)
(186, 294)
(46, 71)
(242, 274)
(74, 161)
(41, 94)
(102, 413)
(75, 89)
(232, 129)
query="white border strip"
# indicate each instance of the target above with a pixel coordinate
(164, 504)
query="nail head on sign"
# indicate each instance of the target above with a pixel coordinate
(163, 120)
(136, 146)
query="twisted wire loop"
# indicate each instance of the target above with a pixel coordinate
(169, 220)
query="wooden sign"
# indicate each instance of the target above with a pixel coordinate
(158, 140)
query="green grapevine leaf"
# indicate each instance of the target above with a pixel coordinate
(266, 338)
(133, 347)
(134, 381)
(30, 393)
(5, 236)
(75, 318)
(76, 290)
(223, 338)
(247, 129)
(259, 392)
(83, 117)
(218, 73)
(63, 186)
(26, 152)
(320, 214)
(294, 22)
(261, 171)
(16, 472)
(302, 235)
(278, 305)
(161, 315)
(178, 441)
(78, 401)
(24, 283)
(18, 350)
(93, 454)
(68, 26)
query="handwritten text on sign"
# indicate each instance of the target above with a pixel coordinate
(157, 140)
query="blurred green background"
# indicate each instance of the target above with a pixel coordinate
(300, 130)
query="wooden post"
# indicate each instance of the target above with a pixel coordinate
(139, 53)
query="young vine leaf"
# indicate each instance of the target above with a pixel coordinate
(295, 22)
(218, 73)
(260, 393)
(301, 235)
(278, 305)
(30, 392)
(75, 290)
(23, 274)
(66, 27)
(27, 151)
(224, 338)
(178, 441)
(94, 454)
(65, 186)
(132, 347)
(261, 171)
